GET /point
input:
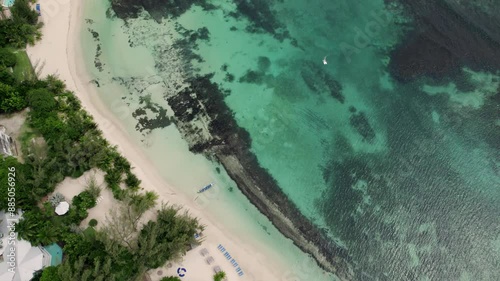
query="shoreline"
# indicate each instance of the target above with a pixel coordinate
(70, 68)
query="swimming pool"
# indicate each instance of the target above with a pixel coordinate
(8, 3)
(56, 253)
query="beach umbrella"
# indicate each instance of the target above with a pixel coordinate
(62, 208)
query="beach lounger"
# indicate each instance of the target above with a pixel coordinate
(204, 252)
(210, 260)
(217, 269)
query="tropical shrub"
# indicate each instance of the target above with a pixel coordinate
(113, 177)
(118, 193)
(50, 274)
(56, 198)
(84, 200)
(41, 102)
(93, 188)
(10, 99)
(12, 103)
(93, 222)
(55, 85)
(132, 181)
(121, 164)
(76, 215)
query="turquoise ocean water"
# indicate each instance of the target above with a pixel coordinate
(398, 162)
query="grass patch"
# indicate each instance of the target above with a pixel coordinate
(23, 69)
(89, 232)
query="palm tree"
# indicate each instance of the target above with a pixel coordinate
(143, 202)
(47, 234)
(219, 276)
(27, 229)
(55, 85)
(93, 188)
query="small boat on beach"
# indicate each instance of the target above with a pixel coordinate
(206, 188)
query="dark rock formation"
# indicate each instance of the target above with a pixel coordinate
(318, 81)
(230, 144)
(359, 122)
(97, 60)
(158, 9)
(263, 64)
(261, 17)
(252, 76)
(160, 120)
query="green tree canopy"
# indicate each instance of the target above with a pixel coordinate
(7, 58)
(50, 274)
(18, 34)
(10, 99)
(41, 101)
(166, 238)
(23, 13)
(6, 164)
(13, 102)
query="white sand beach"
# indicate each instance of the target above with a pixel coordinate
(59, 52)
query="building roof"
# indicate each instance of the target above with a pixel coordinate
(28, 259)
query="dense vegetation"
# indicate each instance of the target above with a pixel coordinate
(61, 140)
(68, 144)
(22, 28)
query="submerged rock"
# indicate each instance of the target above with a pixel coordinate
(262, 18)
(359, 122)
(158, 9)
(319, 81)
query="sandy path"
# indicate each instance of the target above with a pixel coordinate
(60, 53)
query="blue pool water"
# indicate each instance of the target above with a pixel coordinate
(8, 3)
(56, 252)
